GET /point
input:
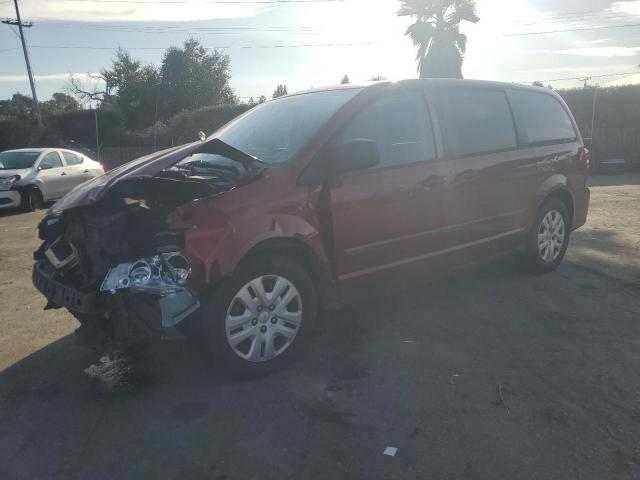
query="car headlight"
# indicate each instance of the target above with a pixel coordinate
(161, 274)
(7, 182)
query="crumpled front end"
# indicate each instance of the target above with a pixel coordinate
(113, 250)
(119, 267)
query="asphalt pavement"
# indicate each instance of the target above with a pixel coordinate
(490, 374)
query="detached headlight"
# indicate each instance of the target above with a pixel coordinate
(7, 182)
(161, 274)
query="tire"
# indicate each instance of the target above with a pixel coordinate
(31, 200)
(248, 337)
(549, 255)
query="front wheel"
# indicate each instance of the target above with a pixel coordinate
(261, 318)
(549, 238)
(32, 200)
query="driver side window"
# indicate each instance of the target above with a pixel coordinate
(51, 160)
(400, 125)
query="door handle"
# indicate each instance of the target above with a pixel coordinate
(467, 175)
(434, 181)
(63, 173)
(86, 171)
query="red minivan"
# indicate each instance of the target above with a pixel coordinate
(313, 200)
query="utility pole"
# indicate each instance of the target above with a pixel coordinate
(22, 25)
(593, 114)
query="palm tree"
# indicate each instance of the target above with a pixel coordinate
(436, 32)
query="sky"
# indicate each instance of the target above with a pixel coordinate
(306, 44)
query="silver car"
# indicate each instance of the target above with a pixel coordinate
(29, 177)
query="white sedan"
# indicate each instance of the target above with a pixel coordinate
(29, 177)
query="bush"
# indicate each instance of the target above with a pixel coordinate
(75, 130)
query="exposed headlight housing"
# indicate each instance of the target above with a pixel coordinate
(161, 275)
(7, 182)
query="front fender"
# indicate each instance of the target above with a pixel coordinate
(215, 252)
(40, 185)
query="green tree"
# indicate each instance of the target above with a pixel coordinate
(60, 103)
(193, 77)
(18, 106)
(378, 78)
(280, 91)
(345, 80)
(189, 77)
(138, 97)
(127, 86)
(436, 33)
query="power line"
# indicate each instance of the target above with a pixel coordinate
(304, 45)
(570, 30)
(583, 77)
(158, 29)
(581, 12)
(562, 16)
(611, 17)
(235, 2)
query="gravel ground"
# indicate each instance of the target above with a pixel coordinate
(490, 374)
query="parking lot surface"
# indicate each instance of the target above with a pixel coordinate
(489, 374)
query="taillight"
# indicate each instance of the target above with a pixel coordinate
(585, 158)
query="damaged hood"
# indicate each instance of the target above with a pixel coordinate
(145, 167)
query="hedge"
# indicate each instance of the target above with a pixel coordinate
(617, 121)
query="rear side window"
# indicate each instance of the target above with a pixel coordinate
(475, 121)
(51, 160)
(72, 158)
(540, 117)
(400, 125)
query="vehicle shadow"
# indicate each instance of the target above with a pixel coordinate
(418, 369)
(603, 250)
(11, 212)
(18, 212)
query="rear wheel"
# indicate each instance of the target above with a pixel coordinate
(261, 318)
(31, 200)
(549, 238)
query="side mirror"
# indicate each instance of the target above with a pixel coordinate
(353, 155)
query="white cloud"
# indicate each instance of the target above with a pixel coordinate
(626, 8)
(594, 42)
(45, 78)
(629, 79)
(594, 51)
(144, 11)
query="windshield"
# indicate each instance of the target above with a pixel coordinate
(275, 131)
(17, 160)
